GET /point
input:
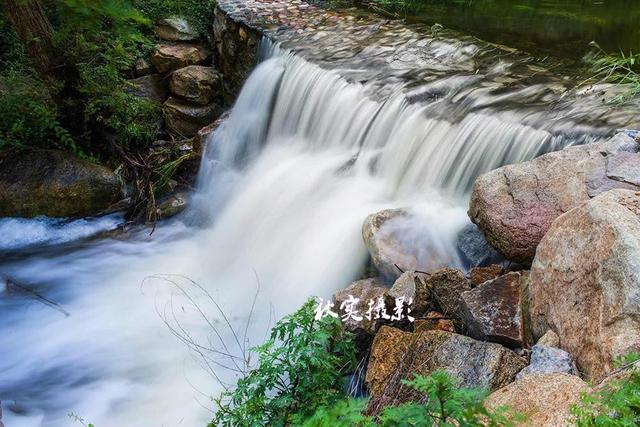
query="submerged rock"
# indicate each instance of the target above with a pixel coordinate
(175, 28)
(196, 83)
(398, 355)
(186, 119)
(169, 57)
(544, 399)
(394, 248)
(152, 87)
(172, 205)
(515, 205)
(54, 183)
(585, 281)
(548, 360)
(492, 310)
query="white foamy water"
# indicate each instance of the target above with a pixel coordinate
(284, 187)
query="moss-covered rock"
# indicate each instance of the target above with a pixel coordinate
(54, 183)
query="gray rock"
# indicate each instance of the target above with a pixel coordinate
(475, 249)
(397, 355)
(364, 290)
(447, 286)
(585, 281)
(142, 68)
(492, 310)
(197, 83)
(152, 87)
(172, 205)
(515, 205)
(548, 360)
(185, 119)
(412, 286)
(54, 183)
(175, 29)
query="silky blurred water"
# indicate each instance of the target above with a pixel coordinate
(99, 326)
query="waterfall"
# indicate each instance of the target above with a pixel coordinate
(282, 192)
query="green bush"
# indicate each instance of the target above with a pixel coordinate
(615, 405)
(299, 369)
(199, 13)
(446, 405)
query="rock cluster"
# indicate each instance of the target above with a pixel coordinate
(574, 216)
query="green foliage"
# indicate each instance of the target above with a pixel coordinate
(199, 13)
(299, 369)
(622, 69)
(446, 405)
(615, 405)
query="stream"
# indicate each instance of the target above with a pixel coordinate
(118, 328)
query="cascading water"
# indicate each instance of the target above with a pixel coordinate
(283, 189)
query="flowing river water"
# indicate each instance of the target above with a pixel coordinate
(114, 327)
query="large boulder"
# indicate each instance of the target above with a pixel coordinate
(151, 87)
(397, 355)
(545, 400)
(585, 281)
(515, 205)
(54, 183)
(196, 83)
(169, 57)
(174, 29)
(390, 237)
(492, 310)
(185, 119)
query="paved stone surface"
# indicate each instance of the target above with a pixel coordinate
(435, 66)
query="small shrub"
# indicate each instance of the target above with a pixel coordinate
(299, 369)
(615, 405)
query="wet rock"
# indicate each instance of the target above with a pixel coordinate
(54, 183)
(549, 339)
(446, 286)
(515, 205)
(169, 57)
(479, 275)
(142, 68)
(475, 249)
(492, 310)
(171, 205)
(388, 235)
(237, 49)
(412, 286)
(196, 83)
(202, 137)
(186, 119)
(152, 87)
(174, 29)
(585, 281)
(398, 355)
(548, 360)
(545, 399)
(364, 290)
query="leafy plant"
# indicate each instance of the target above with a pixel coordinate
(617, 404)
(622, 69)
(299, 369)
